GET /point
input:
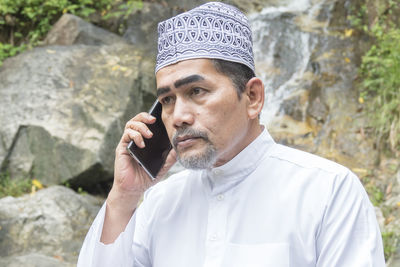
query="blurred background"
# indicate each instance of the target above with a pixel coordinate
(72, 72)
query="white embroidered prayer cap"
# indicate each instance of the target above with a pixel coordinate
(213, 30)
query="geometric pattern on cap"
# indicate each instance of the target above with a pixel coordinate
(212, 30)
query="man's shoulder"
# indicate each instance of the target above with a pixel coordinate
(312, 173)
(292, 156)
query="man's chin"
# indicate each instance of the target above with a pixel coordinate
(200, 160)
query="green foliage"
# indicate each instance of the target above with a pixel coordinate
(380, 92)
(13, 187)
(380, 86)
(24, 23)
(375, 193)
(390, 242)
(7, 50)
(124, 9)
(81, 191)
(357, 18)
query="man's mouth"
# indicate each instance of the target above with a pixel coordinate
(185, 141)
(186, 137)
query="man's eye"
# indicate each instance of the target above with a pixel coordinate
(197, 91)
(166, 100)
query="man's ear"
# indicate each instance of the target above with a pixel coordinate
(255, 97)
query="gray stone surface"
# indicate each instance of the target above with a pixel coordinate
(70, 29)
(52, 222)
(34, 260)
(63, 109)
(395, 262)
(142, 26)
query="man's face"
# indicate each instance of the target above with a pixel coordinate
(206, 121)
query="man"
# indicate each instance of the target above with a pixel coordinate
(243, 200)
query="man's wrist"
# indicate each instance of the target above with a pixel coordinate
(120, 207)
(122, 202)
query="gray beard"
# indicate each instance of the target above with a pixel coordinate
(204, 160)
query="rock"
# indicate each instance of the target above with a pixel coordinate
(45, 228)
(317, 109)
(295, 105)
(300, 49)
(70, 29)
(395, 261)
(33, 260)
(63, 110)
(142, 26)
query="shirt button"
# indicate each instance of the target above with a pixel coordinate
(214, 237)
(220, 197)
(217, 172)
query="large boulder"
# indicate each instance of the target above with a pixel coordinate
(64, 108)
(71, 29)
(46, 228)
(34, 260)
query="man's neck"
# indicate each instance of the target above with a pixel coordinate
(251, 134)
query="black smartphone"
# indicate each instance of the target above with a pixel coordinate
(152, 157)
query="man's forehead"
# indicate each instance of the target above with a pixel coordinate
(180, 70)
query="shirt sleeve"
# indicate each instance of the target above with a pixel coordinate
(95, 253)
(349, 234)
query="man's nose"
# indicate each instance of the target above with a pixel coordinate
(183, 113)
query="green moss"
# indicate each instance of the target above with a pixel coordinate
(390, 242)
(381, 84)
(375, 193)
(379, 71)
(13, 187)
(24, 23)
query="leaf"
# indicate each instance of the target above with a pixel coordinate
(37, 184)
(348, 32)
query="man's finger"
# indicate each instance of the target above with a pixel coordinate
(135, 136)
(140, 127)
(144, 117)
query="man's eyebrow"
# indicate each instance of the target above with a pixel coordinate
(162, 90)
(189, 79)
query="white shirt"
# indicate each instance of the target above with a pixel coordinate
(271, 205)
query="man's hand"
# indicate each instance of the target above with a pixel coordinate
(130, 179)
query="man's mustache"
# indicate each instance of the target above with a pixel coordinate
(188, 132)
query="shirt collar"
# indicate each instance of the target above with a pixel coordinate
(238, 168)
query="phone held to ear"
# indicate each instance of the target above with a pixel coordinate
(152, 157)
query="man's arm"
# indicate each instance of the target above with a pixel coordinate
(95, 253)
(130, 180)
(349, 233)
(111, 234)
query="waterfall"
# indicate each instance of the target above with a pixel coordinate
(284, 39)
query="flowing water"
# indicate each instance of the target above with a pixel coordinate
(284, 39)
(306, 54)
